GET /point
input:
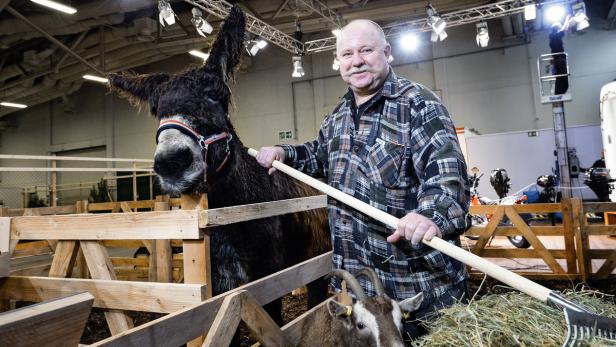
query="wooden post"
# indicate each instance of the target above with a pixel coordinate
(197, 268)
(81, 268)
(134, 181)
(5, 252)
(54, 183)
(568, 232)
(164, 257)
(581, 238)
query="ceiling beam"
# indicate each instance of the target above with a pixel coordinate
(53, 39)
(324, 11)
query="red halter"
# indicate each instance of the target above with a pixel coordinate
(203, 142)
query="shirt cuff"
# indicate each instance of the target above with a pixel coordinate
(439, 219)
(290, 152)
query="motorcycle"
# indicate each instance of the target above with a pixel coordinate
(499, 179)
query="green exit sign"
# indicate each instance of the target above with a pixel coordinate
(532, 134)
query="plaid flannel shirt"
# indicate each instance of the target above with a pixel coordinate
(405, 157)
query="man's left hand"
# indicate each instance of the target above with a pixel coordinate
(415, 227)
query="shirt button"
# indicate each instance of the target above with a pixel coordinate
(355, 149)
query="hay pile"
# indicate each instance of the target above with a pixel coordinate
(511, 319)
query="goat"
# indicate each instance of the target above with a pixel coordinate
(370, 321)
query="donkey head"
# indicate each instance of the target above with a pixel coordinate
(371, 321)
(195, 134)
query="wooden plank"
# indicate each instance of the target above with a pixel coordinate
(513, 231)
(600, 230)
(581, 238)
(262, 326)
(599, 206)
(64, 259)
(194, 321)
(489, 230)
(100, 268)
(567, 216)
(54, 323)
(519, 253)
(293, 330)
(537, 276)
(533, 240)
(5, 264)
(522, 208)
(109, 294)
(123, 243)
(600, 253)
(124, 207)
(25, 249)
(606, 269)
(197, 267)
(5, 234)
(43, 211)
(236, 214)
(226, 321)
(180, 224)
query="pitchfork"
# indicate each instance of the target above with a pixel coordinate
(581, 323)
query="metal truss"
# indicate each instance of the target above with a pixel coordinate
(456, 18)
(324, 11)
(221, 8)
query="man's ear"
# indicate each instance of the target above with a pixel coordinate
(138, 89)
(338, 310)
(411, 304)
(388, 56)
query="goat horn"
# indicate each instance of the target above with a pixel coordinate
(351, 283)
(372, 276)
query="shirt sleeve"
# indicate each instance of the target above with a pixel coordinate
(444, 193)
(310, 157)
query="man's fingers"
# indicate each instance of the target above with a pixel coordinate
(393, 238)
(271, 170)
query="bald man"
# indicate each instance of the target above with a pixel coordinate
(390, 143)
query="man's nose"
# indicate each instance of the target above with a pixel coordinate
(357, 59)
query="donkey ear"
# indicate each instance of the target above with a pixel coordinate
(227, 49)
(338, 310)
(136, 88)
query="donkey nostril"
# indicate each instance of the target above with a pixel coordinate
(173, 163)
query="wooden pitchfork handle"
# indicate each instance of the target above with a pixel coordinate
(510, 278)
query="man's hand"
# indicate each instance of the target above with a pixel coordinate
(267, 155)
(415, 227)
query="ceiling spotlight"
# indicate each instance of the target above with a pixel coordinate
(298, 69)
(336, 31)
(12, 104)
(254, 46)
(202, 26)
(530, 12)
(166, 14)
(199, 54)
(554, 13)
(56, 6)
(336, 64)
(483, 37)
(437, 24)
(96, 78)
(409, 41)
(579, 16)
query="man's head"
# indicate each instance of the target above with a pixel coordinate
(556, 27)
(363, 53)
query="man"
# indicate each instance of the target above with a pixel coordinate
(559, 61)
(390, 143)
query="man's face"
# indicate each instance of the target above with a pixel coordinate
(363, 58)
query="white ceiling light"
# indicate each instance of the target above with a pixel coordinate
(96, 78)
(530, 12)
(56, 6)
(554, 13)
(437, 24)
(166, 14)
(201, 25)
(12, 104)
(254, 46)
(409, 41)
(199, 54)
(579, 15)
(298, 69)
(483, 36)
(336, 64)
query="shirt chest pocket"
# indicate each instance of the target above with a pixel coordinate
(385, 163)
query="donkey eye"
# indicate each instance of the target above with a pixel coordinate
(360, 326)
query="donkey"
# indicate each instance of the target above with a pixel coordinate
(369, 322)
(199, 151)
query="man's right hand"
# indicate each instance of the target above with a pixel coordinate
(267, 155)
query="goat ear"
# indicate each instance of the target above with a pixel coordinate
(136, 88)
(411, 304)
(227, 49)
(336, 309)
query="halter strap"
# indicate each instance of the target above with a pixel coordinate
(203, 142)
